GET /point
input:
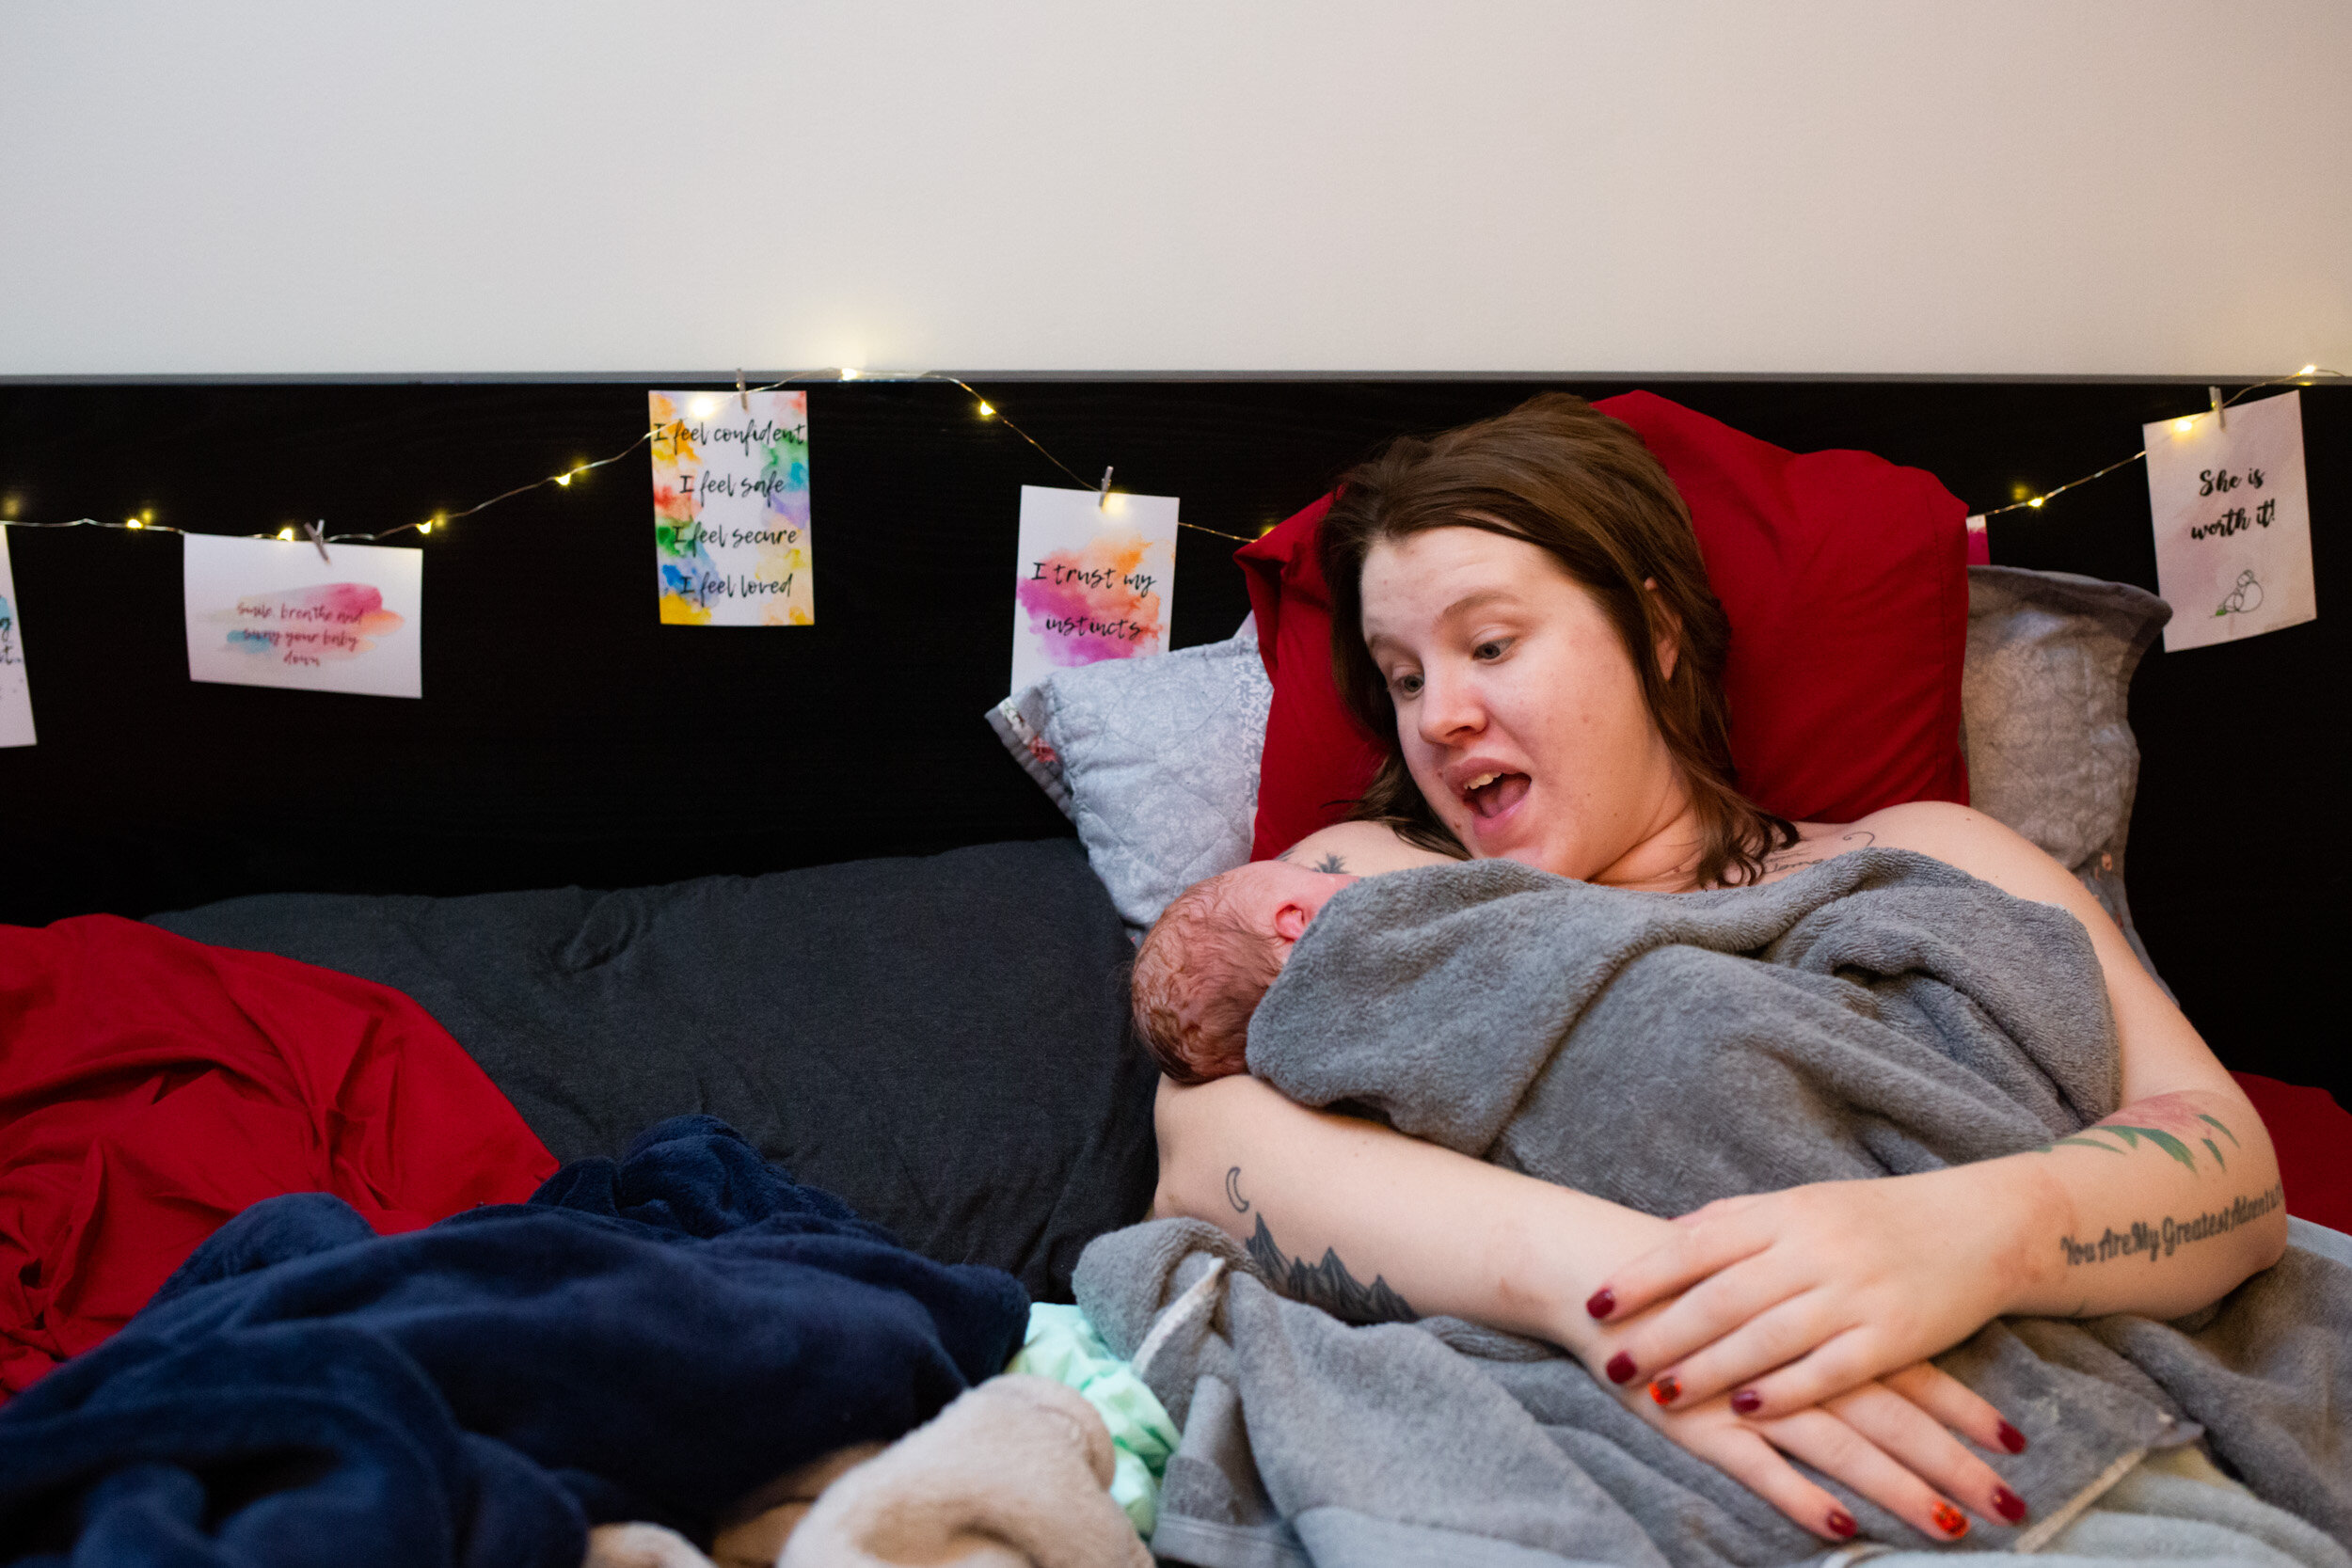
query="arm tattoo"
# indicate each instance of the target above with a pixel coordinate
(2186, 1122)
(1327, 1283)
(2160, 1239)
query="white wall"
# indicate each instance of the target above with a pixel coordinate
(2001, 186)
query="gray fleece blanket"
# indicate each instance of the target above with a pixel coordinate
(1877, 1014)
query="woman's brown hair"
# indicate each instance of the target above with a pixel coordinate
(1580, 486)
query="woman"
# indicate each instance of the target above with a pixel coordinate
(1520, 609)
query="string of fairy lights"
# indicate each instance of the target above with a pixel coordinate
(2186, 423)
(703, 405)
(706, 403)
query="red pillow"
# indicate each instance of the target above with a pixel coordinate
(1846, 584)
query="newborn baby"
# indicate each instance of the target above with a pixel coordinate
(1211, 956)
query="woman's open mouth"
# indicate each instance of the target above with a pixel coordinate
(1493, 795)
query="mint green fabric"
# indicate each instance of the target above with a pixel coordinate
(1063, 1346)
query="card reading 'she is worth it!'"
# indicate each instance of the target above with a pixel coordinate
(265, 612)
(2233, 522)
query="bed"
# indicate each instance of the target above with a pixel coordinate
(941, 1039)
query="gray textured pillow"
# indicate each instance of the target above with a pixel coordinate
(2044, 720)
(1155, 759)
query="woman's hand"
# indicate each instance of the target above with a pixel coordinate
(1886, 1440)
(1784, 1299)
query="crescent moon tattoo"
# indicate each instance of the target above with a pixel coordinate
(1232, 1191)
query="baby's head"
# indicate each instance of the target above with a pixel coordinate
(1212, 955)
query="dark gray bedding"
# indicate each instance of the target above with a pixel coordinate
(941, 1041)
(1877, 1014)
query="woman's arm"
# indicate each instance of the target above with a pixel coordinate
(1372, 1225)
(2160, 1209)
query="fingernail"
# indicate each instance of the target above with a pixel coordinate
(2008, 1504)
(2013, 1440)
(1949, 1520)
(1747, 1402)
(1841, 1524)
(1620, 1368)
(1601, 1302)
(1663, 1390)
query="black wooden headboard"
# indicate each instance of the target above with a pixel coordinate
(566, 737)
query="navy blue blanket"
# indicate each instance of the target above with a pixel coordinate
(650, 1339)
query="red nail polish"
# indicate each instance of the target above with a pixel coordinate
(1620, 1368)
(1747, 1402)
(1665, 1389)
(2013, 1440)
(1601, 1303)
(1949, 1520)
(2008, 1504)
(1841, 1524)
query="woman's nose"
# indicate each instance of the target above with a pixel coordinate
(1448, 709)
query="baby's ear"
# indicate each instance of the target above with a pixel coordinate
(1290, 922)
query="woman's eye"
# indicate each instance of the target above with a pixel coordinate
(1405, 685)
(1493, 648)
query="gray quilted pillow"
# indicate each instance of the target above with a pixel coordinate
(2043, 711)
(1155, 759)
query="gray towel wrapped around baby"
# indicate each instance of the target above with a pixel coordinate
(1877, 1014)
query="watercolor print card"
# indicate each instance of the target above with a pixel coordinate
(16, 694)
(265, 612)
(2233, 522)
(730, 509)
(1097, 580)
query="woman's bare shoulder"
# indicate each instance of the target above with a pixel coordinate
(1361, 849)
(1951, 833)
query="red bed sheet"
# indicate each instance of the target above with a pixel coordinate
(2312, 1135)
(152, 1087)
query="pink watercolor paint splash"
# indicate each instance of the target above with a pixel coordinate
(313, 626)
(1092, 604)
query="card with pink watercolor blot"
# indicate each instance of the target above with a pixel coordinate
(16, 695)
(266, 612)
(1096, 579)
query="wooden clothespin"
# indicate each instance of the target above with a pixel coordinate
(741, 391)
(1103, 492)
(2218, 422)
(318, 536)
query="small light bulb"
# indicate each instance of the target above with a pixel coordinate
(563, 479)
(986, 410)
(702, 407)
(424, 528)
(287, 534)
(848, 373)
(133, 522)
(2036, 502)
(2184, 425)
(2307, 370)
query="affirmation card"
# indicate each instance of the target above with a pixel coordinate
(730, 509)
(2233, 524)
(266, 612)
(1097, 577)
(16, 696)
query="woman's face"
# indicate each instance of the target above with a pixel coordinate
(1520, 716)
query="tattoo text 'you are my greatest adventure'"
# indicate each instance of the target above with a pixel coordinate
(2162, 1239)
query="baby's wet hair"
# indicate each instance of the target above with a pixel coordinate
(1201, 951)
